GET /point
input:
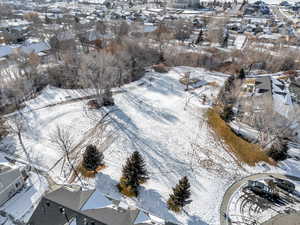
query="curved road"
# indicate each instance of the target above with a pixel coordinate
(235, 186)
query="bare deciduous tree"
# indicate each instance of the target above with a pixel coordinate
(65, 142)
(17, 126)
(216, 30)
(182, 30)
(98, 72)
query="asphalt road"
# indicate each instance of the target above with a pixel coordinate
(224, 220)
(286, 219)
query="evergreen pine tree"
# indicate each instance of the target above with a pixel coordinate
(134, 173)
(242, 74)
(92, 158)
(181, 193)
(140, 167)
(225, 39)
(47, 20)
(200, 37)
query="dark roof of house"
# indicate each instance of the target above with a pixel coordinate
(72, 199)
(263, 86)
(112, 216)
(263, 83)
(72, 202)
(8, 177)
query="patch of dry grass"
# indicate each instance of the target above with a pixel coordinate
(126, 190)
(246, 152)
(88, 173)
(186, 81)
(213, 84)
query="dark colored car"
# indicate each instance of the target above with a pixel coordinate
(285, 185)
(261, 190)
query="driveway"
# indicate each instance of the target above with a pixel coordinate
(224, 220)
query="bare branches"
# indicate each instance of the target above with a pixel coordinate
(63, 139)
(98, 72)
(65, 142)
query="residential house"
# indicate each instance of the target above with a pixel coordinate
(14, 31)
(12, 180)
(95, 38)
(40, 48)
(72, 206)
(184, 3)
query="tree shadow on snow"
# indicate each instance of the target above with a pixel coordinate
(150, 200)
(165, 86)
(155, 152)
(196, 220)
(108, 186)
(140, 104)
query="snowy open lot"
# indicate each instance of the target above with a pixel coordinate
(159, 119)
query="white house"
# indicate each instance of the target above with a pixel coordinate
(184, 3)
(11, 181)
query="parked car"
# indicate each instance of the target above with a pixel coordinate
(260, 189)
(285, 185)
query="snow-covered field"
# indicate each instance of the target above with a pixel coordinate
(159, 119)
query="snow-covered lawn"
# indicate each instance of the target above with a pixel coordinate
(159, 119)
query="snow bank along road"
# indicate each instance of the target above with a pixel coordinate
(235, 186)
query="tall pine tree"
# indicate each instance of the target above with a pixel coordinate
(134, 173)
(92, 158)
(181, 193)
(200, 37)
(242, 74)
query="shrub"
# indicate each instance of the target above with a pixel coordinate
(89, 173)
(278, 151)
(160, 68)
(128, 190)
(227, 113)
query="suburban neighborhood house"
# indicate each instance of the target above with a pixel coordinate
(12, 179)
(72, 206)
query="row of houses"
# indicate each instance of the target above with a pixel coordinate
(69, 205)
(40, 48)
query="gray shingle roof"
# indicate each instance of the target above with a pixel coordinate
(112, 216)
(49, 212)
(9, 177)
(69, 198)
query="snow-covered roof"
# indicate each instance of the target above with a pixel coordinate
(96, 201)
(5, 51)
(35, 47)
(142, 218)
(8, 175)
(94, 35)
(271, 36)
(148, 27)
(14, 23)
